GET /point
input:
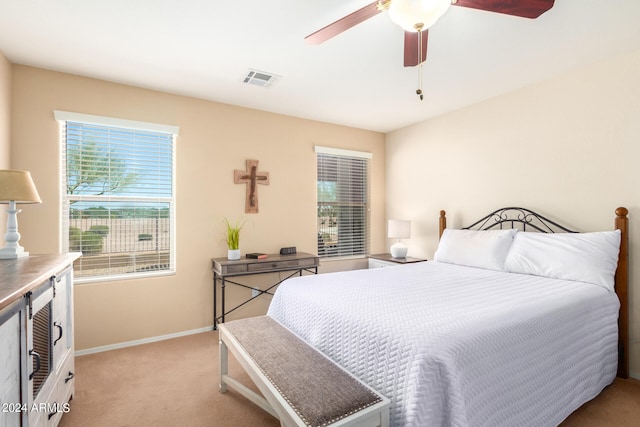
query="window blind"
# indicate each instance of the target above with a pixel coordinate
(343, 209)
(118, 205)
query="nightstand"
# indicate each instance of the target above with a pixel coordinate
(386, 260)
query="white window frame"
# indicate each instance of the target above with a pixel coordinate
(366, 194)
(63, 117)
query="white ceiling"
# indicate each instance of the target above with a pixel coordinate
(204, 48)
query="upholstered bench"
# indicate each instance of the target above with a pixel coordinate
(300, 385)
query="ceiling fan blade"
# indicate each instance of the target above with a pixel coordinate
(411, 48)
(523, 8)
(343, 24)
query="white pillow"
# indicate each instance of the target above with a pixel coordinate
(483, 249)
(584, 257)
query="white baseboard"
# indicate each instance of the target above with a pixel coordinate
(142, 341)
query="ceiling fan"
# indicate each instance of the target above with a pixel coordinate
(416, 16)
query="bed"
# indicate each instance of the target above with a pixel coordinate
(483, 335)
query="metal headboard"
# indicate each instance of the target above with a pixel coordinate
(521, 218)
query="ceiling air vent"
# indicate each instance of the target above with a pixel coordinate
(261, 78)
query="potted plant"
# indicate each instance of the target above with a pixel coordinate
(233, 239)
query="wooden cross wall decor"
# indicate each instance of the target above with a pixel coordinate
(251, 177)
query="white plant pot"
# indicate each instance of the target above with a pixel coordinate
(233, 254)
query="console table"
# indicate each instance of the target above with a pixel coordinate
(223, 269)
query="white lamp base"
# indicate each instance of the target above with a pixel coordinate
(13, 253)
(12, 249)
(399, 250)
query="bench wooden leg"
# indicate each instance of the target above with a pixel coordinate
(227, 381)
(224, 366)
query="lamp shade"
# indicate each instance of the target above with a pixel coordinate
(17, 186)
(399, 229)
(409, 14)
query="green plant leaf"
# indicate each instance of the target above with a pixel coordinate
(233, 233)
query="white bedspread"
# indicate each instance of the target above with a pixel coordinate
(460, 346)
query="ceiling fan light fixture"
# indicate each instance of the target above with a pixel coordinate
(409, 14)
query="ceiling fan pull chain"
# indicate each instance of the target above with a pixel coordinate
(419, 91)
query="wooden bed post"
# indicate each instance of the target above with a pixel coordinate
(443, 222)
(622, 281)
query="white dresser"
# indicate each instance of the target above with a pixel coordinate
(36, 339)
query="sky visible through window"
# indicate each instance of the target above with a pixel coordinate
(115, 162)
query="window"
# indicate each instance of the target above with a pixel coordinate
(118, 196)
(343, 202)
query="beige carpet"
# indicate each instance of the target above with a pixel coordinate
(175, 383)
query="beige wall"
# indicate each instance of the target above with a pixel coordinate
(5, 124)
(568, 148)
(214, 140)
(5, 103)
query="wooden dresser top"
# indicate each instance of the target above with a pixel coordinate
(19, 276)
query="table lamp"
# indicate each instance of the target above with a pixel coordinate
(15, 187)
(399, 229)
